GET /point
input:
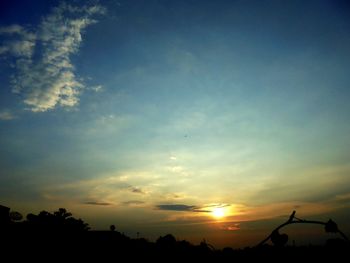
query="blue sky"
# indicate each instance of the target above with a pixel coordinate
(129, 111)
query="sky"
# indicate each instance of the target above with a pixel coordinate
(205, 119)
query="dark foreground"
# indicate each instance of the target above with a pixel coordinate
(49, 237)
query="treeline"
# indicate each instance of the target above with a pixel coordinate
(49, 236)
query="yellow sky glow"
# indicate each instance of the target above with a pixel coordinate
(218, 212)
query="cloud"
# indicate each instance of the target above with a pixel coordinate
(191, 208)
(137, 190)
(18, 48)
(44, 73)
(133, 203)
(342, 197)
(7, 115)
(97, 88)
(96, 203)
(231, 227)
(177, 207)
(171, 196)
(13, 29)
(217, 205)
(20, 43)
(111, 188)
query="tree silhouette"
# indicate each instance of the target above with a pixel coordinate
(60, 220)
(15, 216)
(62, 213)
(166, 241)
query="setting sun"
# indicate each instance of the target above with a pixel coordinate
(218, 212)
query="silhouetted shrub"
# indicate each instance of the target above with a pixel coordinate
(60, 220)
(166, 241)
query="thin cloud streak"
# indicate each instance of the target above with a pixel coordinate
(137, 190)
(133, 203)
(177, 207)
(7, 115)
(188, 208)
(97, 203)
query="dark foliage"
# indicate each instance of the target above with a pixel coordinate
(59, 221)
(278, 239)
(331, 226)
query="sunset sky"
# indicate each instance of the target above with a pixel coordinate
(204, 119)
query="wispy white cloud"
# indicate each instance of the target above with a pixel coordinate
(7, 115)
(111, 189)
(97, 88)
(44, 72)
(13, 29)
(20, 43)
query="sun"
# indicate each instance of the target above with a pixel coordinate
(218, 212)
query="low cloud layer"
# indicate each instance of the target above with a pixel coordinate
(177, 207)
(96, 203)
(190, 208)
(44, 74)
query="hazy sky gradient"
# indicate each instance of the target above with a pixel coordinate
(149, 114)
